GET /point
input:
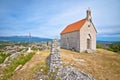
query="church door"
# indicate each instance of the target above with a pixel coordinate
(88, 44)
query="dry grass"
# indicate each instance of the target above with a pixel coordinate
(28, 69)
(103, 64)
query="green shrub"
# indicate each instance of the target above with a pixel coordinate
(115, 47)
(3, 44)
(99, 46)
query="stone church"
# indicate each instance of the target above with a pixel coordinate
(80, 36)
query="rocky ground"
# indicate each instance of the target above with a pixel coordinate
(102, 65)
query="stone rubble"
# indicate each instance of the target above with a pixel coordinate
(54, 60)
(90, 51)
(70, 73)
(40, 76)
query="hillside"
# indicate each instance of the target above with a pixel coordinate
(23, 39)
(103, 65)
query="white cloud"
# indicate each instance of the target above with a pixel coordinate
(48, 18)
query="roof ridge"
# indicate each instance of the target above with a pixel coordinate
(77, 21)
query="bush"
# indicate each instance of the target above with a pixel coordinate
(99, 46)
(3, 44)
(115, 47)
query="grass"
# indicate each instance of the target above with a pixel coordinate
(45, 71)
(3, 56)
(37, 62)
(43, 66)
(20, 60)
(3, 44)
(103, 64)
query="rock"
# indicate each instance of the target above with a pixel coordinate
(80, 60)
(90, 51)
(70, 73)
(18, 68)
(6, 60)
(2, 65)
(40, 76)
(10, 58)
(29, 50)
(13, 56)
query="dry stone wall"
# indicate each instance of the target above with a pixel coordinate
(54, 60)
(62, 73)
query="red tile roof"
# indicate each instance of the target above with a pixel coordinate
(74, 27)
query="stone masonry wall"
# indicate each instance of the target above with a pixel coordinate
(71, 41)
(54, 60)
(84, 32)
(63, 73)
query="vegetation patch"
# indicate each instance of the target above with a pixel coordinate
(3, 44)
(20, 60)
(42, 69)
(115, 47)
(3, 56)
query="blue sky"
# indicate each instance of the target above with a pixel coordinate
(47, 18)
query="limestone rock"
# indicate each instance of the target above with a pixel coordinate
(90, 51)
(18, 68)
(70, 73)
(40, 76)
(2, 65)
(6, 60)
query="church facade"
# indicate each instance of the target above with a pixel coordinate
(80, 36)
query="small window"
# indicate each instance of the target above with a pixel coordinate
(88, 25)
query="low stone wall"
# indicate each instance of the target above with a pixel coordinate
(54, 60)
(60, 72)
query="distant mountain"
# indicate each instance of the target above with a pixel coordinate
(106, 42)
(38, 39)
(24, 39)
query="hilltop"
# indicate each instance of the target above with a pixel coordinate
(103, 64)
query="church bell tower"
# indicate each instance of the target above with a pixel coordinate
(88, 17)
